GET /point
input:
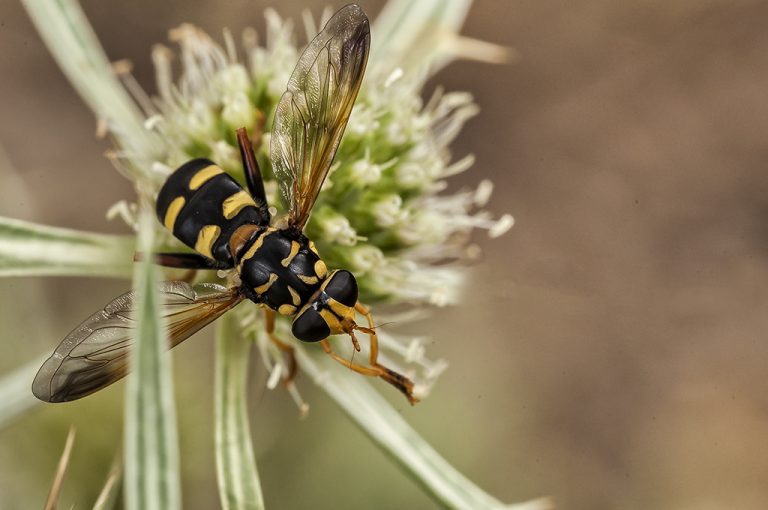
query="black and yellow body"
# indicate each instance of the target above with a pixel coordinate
(203, 207)
(230, 228)
(330, 311)
(210, 212)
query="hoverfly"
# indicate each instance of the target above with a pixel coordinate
(278, 268)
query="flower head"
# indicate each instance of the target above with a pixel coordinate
(383, 212)
(385, 189)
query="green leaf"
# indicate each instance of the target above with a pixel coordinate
(30, 249)
(387, 429)
(239, 487)
(151, 443)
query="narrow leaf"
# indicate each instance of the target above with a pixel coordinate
(239, 487)
(74, 45)
(400, 22)
(58, 480)
(387, 429)
(30, 249)
(151, 442)
(423, 37)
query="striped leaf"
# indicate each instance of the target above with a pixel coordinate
(30, 249)
(386, 427)
(151, 443)
(423, 37)
(239, 487)
(76, 49)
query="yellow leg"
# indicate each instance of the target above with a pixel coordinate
(269, 320)
(376, 369)
(369, 371)
(362, 310)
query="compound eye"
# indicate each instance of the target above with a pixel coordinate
(342, 287)
(309, 326)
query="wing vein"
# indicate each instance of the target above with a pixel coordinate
(95, 354)
(313, 112)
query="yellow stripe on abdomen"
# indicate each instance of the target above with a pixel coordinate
(203, 176)
(236, 203)
(206, 238)
(174, 208)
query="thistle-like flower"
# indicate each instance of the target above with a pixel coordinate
(383, 212)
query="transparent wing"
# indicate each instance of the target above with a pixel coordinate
(94, 355)
(313, 112)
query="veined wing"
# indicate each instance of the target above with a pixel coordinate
(313, 112)
(95, 354)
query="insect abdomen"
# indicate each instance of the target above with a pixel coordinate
(203, 206)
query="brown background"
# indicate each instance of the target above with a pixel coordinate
(611, 351)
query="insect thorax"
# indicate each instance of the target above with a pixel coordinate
(281, 269)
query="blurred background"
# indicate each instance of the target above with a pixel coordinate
(611, 350)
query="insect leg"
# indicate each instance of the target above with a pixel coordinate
(269, 321)
(251, 167)
(374, 347)
(191, 261)
(360, 369)
(397, 380)
(376, 369)
(182, 260)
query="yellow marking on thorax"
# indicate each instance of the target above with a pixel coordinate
(203, 176)
(206, 238)
(286, 310)
(174, 208)
(261, 289)
(294, 250)
(236, 203)
(254, 247)
(309, 280)
(320, 269)
(294, 296)
(313, 248)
